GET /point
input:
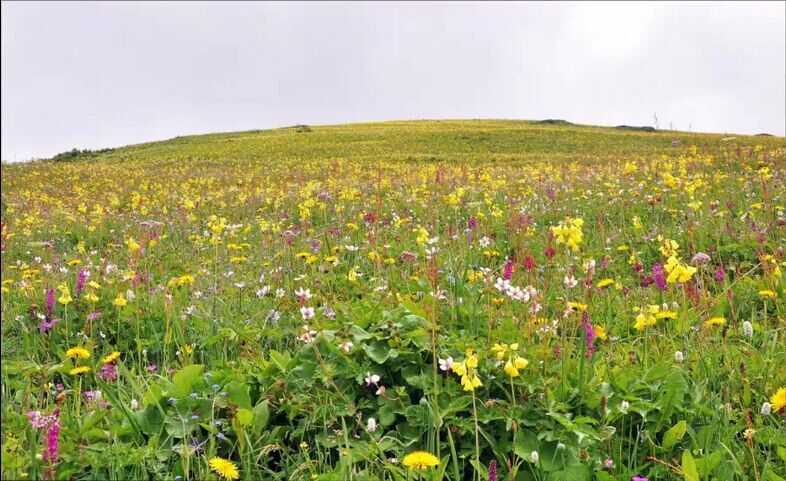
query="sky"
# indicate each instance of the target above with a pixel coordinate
(106, 74)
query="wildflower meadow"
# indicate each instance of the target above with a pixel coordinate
(427, 300)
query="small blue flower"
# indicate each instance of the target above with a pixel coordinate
(223, 394)
(194, 417)
(172, 401)
(194, 395)
(216, 387)
(178, 478)
(220, 436)
(219, 424)
(208, 375)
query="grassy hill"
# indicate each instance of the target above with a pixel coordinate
(442, 300)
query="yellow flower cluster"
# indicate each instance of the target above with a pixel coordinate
(649, 317)
(467, 369)
(569, 232)
(678, 271)
(514, 362)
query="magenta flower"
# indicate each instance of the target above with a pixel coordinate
(80, 280)
(50, 302)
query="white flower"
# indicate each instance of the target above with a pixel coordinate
(371, 425)
(350, 248)
(445, 364)
(534, 456)
(303, 294)
(433, 240)
(346, 346)
(307, 312)
(240, 285)
(678, 356)
(766, 409)
(307, 334)
(624, 406)
(130, 295)
(371, 379)
(134, 404)
(747, 329)
(570, 282)
(484, 241)
(263, 292)
(280, 292)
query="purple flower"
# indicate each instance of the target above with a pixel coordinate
(700, 258)
(50, 302)
(720, 274)
(508, 271)
(80, 280)
(108, 372)
(591, 336)
(152, 367)
(94, 315)
(473, 222)
(639, 478)
(659, 276)
(47, 324)
(493, 470)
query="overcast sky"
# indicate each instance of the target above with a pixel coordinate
(94, 74)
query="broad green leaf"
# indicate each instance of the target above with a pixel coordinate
(238, 394)
(186, 377)
(674, 434)
(689, 469)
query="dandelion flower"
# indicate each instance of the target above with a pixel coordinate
(714, 321)
(79, 370)
(111, 358)
(778, 400)
(226, 469)
(78, 352)
(420, 460)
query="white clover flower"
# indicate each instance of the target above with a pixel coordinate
(624, 406)
(766, 409)
(371, 425)
(534, 456)
(678, 356)
(747, 329)
(134, 404)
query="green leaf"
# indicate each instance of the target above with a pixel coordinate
(674, 434)
(261, 414)
(238, 394)
(689, 467)
(378, 351)
(707, 465)
(280, 360)
(244, 417)
(186, 377)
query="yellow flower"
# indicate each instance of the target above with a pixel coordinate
(605, 283)
(119, 301)
(79, 370)
(778, 400)
(226, 469)
(666, 315)
(569, 232)
(91, 297)
(678, 271)
(645, 320)
(78, 352)
(577, 306)
(600, 331)
(714, 321)
(767, 293)
(420, 460)
(111, 358)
